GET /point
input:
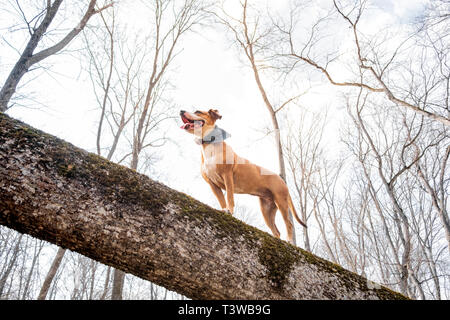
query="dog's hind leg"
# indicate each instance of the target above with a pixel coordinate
(269, 210)
(282, 204)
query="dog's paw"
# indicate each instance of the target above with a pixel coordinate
(226, 211)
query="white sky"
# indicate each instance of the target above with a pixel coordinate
(208, 75)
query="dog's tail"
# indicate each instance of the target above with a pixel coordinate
(292, 208)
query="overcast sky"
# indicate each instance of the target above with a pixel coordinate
(208, 74)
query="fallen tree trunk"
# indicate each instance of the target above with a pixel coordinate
(77, 200)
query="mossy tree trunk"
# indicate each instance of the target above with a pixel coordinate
(80, 201)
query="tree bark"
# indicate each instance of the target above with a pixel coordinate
(80, 201)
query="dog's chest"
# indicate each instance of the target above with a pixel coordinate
(209, 169)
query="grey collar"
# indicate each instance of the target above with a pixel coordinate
(216, 135)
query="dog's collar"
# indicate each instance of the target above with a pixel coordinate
(217, 135)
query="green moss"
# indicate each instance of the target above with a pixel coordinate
(350, 279)
(384, 293)
(278, 258)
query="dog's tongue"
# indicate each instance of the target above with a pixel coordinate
(186, 126)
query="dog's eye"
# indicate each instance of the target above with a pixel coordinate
(197, 112)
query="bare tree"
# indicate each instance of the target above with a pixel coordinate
(377, 67)
(37, 27)
(12, 254)
(304, 153)
(436, 185)
(37, 248)
(432, 87)
(170, 22)
(51, 274)
(328, 213)
(388, 180)
(115, 68)
(436, 14)
(388, 155)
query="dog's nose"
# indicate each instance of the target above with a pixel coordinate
(182, 112)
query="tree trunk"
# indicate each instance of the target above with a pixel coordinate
(23, 64)
(29, 58)
(11, 264)
(118, 281)
(37, 251)
(106, 285)
(51, 274)
(80, 201)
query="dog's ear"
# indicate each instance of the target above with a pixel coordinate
(215, 114)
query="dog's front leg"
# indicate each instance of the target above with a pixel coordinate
(219, 195)
(229, 188)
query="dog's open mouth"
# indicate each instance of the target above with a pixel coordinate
(191, 124)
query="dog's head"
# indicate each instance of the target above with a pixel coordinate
(199, 122)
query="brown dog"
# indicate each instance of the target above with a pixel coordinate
(225, 170)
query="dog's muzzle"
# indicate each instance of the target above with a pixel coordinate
(189, 123)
